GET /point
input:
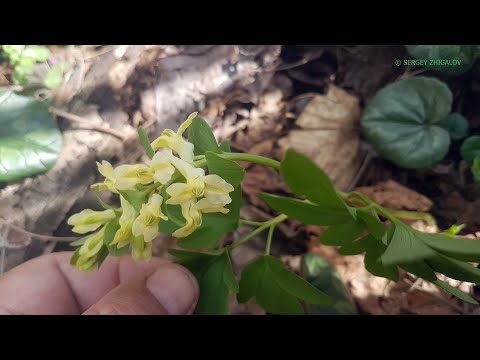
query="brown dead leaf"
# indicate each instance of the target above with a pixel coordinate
(329, 135)
(393, 195)
(259, 178)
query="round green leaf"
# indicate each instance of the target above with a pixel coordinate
(401, 122)
(457, 59)
(470, 148)
(456, 125)
(30, 141)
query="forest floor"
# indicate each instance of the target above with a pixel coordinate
(309, 98)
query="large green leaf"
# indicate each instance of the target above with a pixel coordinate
(342, 234)
(470, 148)
(406, 246)
(456, 125)
(30, 141)
(373, 223)
(455, 269)
(401, 122)
(321, 274)
(455, 247)
(463, 55)
(475, 169)
(215, 278)
(455, 292)
(305, 178)
(214, 225)
(227, 169)
(306, 211)
(420, 269)
(275, 288)
(202, 138)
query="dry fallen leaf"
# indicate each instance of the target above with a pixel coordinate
(393, 195)
(329, 135)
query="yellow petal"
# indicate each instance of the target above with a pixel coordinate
(90, 220)
(205, 206)
(186, 123)
(162, 167)
(163, 141)
(141, 250)
(122, 236)
(93, 244)
(217, 190)
(193, 219)
(127, 176)
(187, 170)
(179, 193)
(150, 232)
(106, 169)
(154, 206)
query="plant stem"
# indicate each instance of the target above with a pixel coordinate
(256, 159)
(269, 239)
(251, 223)
(266, 225)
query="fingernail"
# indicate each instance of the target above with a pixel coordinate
(175, 288)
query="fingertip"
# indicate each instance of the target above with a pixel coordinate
(175, 288)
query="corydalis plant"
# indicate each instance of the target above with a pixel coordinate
(173, 194)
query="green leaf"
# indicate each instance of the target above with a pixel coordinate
(227, 169)
(215, 225)
(456, 125)
(453, 230)
(136, 198)
(30, 141)
(455, 269)
(258, 280)
(55, 75)
(307, 212)
(470, 148)
(455, 247)
(142, 134)
(464, 56)
(305, 178)
(373, 259)
(215, 278)
(175, 219)
(342, 234)
(202, 138)
(225, 146)
(406, 246)
(299, 287)
(401, 122)
(476, 168)
(455, 292)
(420, 269)
(321, 274)
(356, 247)
(373, 223)
(110, 230)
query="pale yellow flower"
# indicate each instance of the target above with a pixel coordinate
(162, 167)
(146, 223)
(89, 252)
(205, 206)
(175, 141)
(127, 176)
(193, 219)
(141, 250)
(215, 189)
(90, 220)
(123, 236)
(106, 169)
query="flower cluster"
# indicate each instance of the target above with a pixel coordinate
(170, 178)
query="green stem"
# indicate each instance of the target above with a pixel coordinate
(269, 239)
(142, 134)
(266, 225)
(251, 223)
(256, 159)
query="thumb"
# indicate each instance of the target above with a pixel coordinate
(170, 290)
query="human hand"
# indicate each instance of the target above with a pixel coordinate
(49, 285)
